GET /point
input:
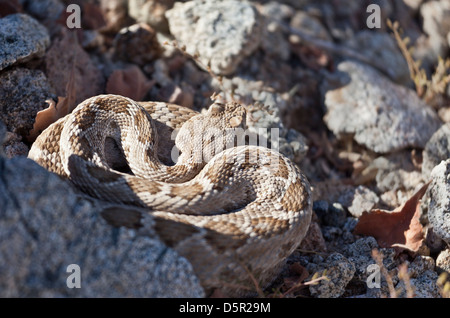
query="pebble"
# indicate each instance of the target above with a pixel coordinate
(390, 117)
(436, 150)
(23, 94)
(22, 38)
(222, 33)
(439, 206)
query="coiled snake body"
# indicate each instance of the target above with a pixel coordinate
(234, 212)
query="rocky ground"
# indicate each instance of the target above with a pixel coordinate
(367, 125)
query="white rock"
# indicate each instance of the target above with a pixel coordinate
(222, 33)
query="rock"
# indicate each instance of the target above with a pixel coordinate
(313, 240)
(335, 216)
(22, 38)
(44, 9)
(151, 12)
(436, 17)
(424, 286)
(45, 227)
(221, 33)
(358, 200)
(439, 206)
(383, 116)
(383, 50)
(14, 146)
(137, 44)
(23, 94)
(443, 260)
(115, 12)
(420, 265)
(273, 39)
(339, 272)
(436, 150)
(65, 55)
(309, 25)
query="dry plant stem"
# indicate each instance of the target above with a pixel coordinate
(302, 284)
(413, 68)
(403, 275)
(378, 257)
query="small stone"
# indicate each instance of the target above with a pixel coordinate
(339, 272)
(44, 9)
(439, 206)
(115, 14)
(383, 116)
(436, 150)
(23, 94)
(309, 25)
(336, 215)
(313, 240)
(436, 17)
(443, 260)
(358, 200)
(137, 44)
(221, 33)
(22, 38)
(151, 12)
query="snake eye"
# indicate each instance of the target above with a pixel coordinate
(235, 121)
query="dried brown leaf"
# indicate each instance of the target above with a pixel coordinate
(399, 228)
(130, 82)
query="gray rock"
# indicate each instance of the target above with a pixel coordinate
(436, 149)
(23, 94)
(358, 200)
(424, 286)
(45, 227)
(222, 33)
(44, 9)
(383, 116)
(339, 272)
(21, 39)
(420, 265)
(309, 25)
(383, 50)
(439, 206)
(273, 39)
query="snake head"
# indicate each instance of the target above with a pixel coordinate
(231, 114)
(207, 134)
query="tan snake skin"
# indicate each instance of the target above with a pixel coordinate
(230, 211)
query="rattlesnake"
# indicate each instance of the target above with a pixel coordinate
(234, 212)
